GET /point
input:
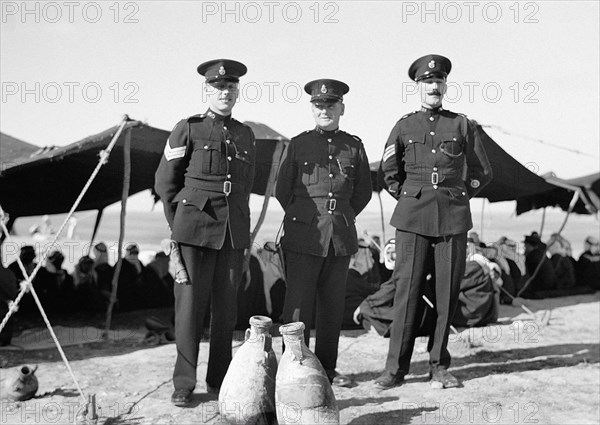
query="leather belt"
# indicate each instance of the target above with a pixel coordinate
(225, 187)
(434, 177)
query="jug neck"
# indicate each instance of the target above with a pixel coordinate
(292, 331)
(260, 325)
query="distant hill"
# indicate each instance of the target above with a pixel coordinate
(14, 148)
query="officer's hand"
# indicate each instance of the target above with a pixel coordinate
(356, 316)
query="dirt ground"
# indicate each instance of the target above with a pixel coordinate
(516, 371)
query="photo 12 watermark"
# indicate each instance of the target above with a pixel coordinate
(69, 92)
(520, 332)
(252, 12)
(71, 250)
(453, 12)
(478, 91)
(66, 412)
(471, 412)
(264, 91)
(51, 12)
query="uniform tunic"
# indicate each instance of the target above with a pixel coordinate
(204, 180)
(433, 163)
(323, 184)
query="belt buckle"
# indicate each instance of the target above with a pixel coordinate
(434, 178)
(227, 187)
(331, 204)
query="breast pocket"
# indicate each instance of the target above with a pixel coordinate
(347, 168)
(452, 145)
(309, 170)
(211, 156)
(244, 161)
(413, 146)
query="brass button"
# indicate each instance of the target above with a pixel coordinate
(432, 133)
(432, 150)
(330, 175)
(228, 158)
(330, 194)
(435, 186)
(228, 176)
(454, 138)
(410, 141)
(431, 118)
(434, 168)
(330, 156)
(293, 218)
(205, 146)
(330, 212)
(184, 201)
(329, 140)
(227, 141)
(224, 127)
(464, 193)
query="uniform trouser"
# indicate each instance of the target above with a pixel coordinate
(214, 276)
(415, 257)
(324, 278)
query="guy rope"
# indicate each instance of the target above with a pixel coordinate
(26, 285)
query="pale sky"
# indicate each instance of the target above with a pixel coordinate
(71, 69)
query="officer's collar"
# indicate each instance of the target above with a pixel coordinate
(327, 132)
(217, 117)
(432, 110)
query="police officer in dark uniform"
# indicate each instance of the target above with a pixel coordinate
(324, 182)
(433, 163)
(204, 180)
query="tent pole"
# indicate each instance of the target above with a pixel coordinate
(383, 239)
(268, 193)
(543, 222)
(124, 195)
(570, 210)
(482, 218)
(95, 231)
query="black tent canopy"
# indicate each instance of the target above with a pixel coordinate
(38, 181)
(561, 195)
(511, 180)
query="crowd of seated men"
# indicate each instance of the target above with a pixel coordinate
(478, 299)
(552, 271)
(89, 287)
(545, 269)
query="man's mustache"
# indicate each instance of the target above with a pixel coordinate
(435, 93)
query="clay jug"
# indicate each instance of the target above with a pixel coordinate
(303, 393)
(21, 384)
(247, 394)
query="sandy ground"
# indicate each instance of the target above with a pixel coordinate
(516, 371)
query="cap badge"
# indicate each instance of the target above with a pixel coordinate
(222, 70)
(475, 183)
(431, 64)
(323, 89)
